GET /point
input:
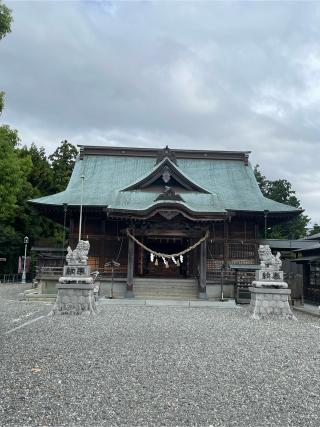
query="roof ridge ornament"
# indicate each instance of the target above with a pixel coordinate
(166, 153)
(169, 194)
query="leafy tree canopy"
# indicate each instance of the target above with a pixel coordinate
(41, 174)
(1, 101)
(5, 28)
(26, 173)
(281, 191)
(14, 170)
(62, 162)
(5, 20)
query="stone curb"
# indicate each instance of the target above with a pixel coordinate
(171, 303)
(303, 310)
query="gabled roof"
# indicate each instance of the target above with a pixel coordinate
(218, 182)
(166, 165)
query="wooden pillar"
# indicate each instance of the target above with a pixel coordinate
(102, 242)
(130, 268)
(226, 243)
(203, 271)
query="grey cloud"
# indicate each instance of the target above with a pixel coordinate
(229, 75)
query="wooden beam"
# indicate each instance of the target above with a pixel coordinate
(87, 150)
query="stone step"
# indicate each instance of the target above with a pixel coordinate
(164, 293)
(154, 288)
(168, 291)
(167, 298)
(164, 283)
(39, 297)
(169, 279)
(164, 287)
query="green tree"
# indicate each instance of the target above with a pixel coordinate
(62, 162)
(41, 174)
(25, 173)
(1, 101)
(5, 28)
(5, 20)
(281, 191)
(14, 171)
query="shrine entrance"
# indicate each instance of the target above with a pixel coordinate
(146, 267)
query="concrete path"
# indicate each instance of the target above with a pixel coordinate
(227, 304)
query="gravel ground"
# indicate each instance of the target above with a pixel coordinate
(140, 366)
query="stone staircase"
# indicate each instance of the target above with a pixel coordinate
(174, 289)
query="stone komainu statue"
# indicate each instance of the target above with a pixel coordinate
(80, 254)
(267, 260)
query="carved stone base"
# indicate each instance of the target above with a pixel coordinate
(270, 302)
(74, 299)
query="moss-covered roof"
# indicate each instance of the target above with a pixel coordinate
(230, 182)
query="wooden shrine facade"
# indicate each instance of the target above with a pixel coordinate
(229, 242)
(168, 200)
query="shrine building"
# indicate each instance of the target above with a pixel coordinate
(170, 217)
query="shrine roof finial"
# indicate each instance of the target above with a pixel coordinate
(166, 153)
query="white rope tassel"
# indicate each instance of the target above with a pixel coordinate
(164, 256)
(166, 264)
(174, 260)
(151, 257)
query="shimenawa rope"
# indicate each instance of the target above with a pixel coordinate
(167, 256)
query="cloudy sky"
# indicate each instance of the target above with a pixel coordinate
(211, 75)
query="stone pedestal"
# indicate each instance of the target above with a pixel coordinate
(74, 298)
(270, 302)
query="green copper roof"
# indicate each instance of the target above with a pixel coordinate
(231, 183)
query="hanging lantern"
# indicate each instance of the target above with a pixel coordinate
(167, 264)
(178, 263)
(156, 262)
